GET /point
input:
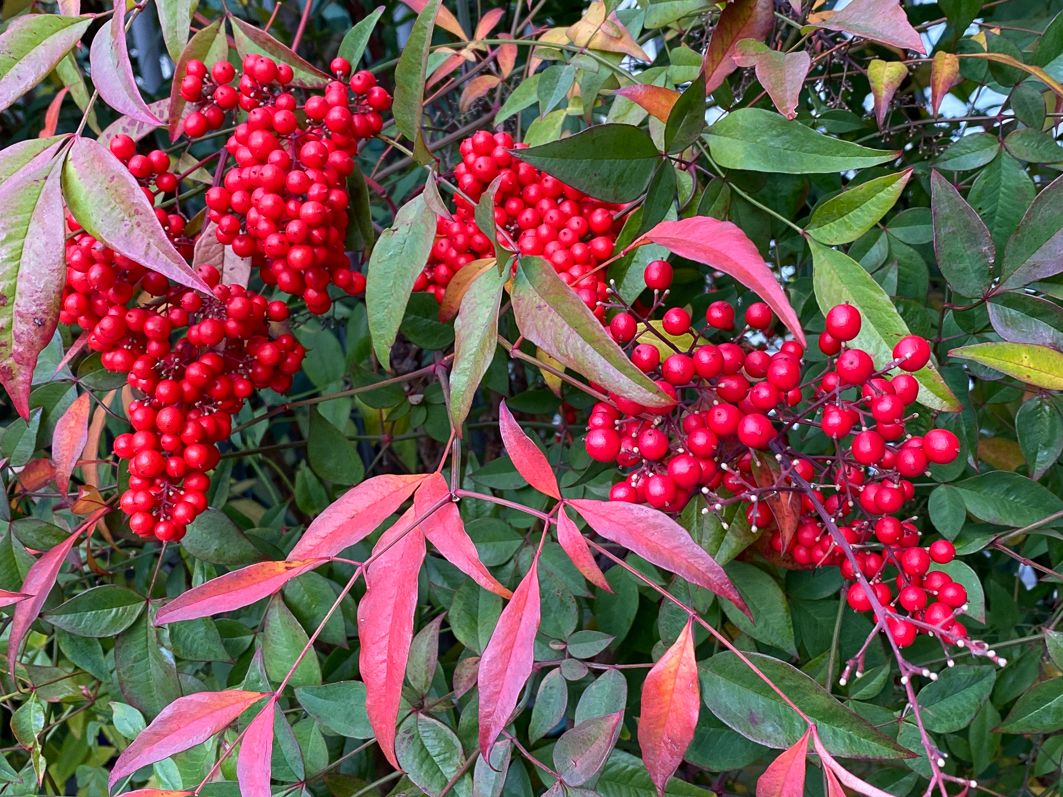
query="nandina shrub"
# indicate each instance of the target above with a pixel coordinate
(559, 400)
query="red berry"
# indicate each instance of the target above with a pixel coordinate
(755, 431)
(676, 321)
(941, 446)
(759, 316)
(913, 353)
(942, 551)
(603, 445)
(658, 275)
(916, 561)
(843, 322)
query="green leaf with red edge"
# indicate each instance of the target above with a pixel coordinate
(578, 551)
(507, 660)
(234, 590)
(36, 150)
(175, 17)
(252, 41)
(385, 625)
(475, 339)
(254, 764)
(551, 316)
(410, 74)
(1035, 365)
(530, 462)
(32, 272)
(838, 279)
(660, 540)
(657, 100)
(785, 776)
(31, 47)
(69, 438)
(110, 205)
(112, 71)
(882, 21)
(724, 247)
(670, 706)
(188, 721)
(209, 45)
(445, 529)
(355, 515)
(962, 243)
(581, 751)
(741, 19)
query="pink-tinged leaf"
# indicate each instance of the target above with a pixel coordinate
(254, 766)
(444, 18)
(660, 540)
(51, 116)
(783, 76)
(209, 45)
(882, 21)
(885, 78)
(109, 203)
(112, 71)
(834, 786)
(355, 515)
(741, 19)
(944, 74)
(475, 89)
(446, 531)
(581, 751)
(465, 674)
(578, 551)
(33, 152)
(32, 272)
(670, 703)
(488, 22)
(188, 721)
(507, 56)
(657, 100)
(508, 658)
(785, 777)
(846, 777)
(8, 598)
(252, 41)
(234, 590)
(208, 250)
(31, 47)
(128, 126)
(529, 461)
(385, 625)
(72, 8)
(69, 438)
(445, 68)
(724, 247)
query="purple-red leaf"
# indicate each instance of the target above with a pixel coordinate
(578, 551)
(508, 658)
(252, 41)
(183, 724)
(206, 46)
(234, 590)
(385, 625)
(109, 203)
(724, 247)
(112, 71)
(7, 598)
(31, 47)
(356, 515)
(656, 100)
(529, 461)
(883, 21)
(785, 777)
(741, 19)
(254, 766)
(69, 438)
(781, 74)
(659, 540)
(446, 531)
(670, 703)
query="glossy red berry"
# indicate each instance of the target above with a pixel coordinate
(843, 322)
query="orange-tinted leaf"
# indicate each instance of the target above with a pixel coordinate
(7, 598)
(488, 22)
(459, 286)
(578, 551)
(92, 444)
(741, 19)
(885, 77)
(944, 74)
(724, 247)
(444, 18)
(51, 116)
(88, 501)
(112, 71)
(445, 68)
(69, 438)
(254, 766)
(36, 474)
(234, 590)
(660, 540)
(883, 21)
(475, 89)
(529, 461)
(355, 515)
(508, 658)
(657, 100)
(385, 625)
(785, 777)
(670, 703)
(446, 531)
(597, 32)
(846, 777)
(188, 721)
(507, 56)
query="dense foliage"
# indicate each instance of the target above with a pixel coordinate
(623, 398)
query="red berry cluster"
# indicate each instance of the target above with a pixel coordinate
(734, 399)
(536, 214)
(285, 201)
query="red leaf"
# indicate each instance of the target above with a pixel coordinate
(254, 766)
(385, 625)
(354, 516)
(112, 71)
(655, 99)
(783, 76)
(578, 551)
(529, 461)
(51, 116)
(233, 590)
(155, 793)
(846, 777)
(785, 777)
(488, 22)
(7, 598)
(69, 438)
(446, 531)
(444, 18)
(670, 703)
(834, 787)
(508, 658)
(742, 19)
(724, 247)
(882, 21)
(660, 540)
(183, 724)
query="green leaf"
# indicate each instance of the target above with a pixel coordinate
(475, 340)
(175, 18)
(984, 743)
(338, 706)
(1035, 251)
(523, 96)
(1035, 365)
(686, 120)
(206, 46)
(550, 703)
(1007, 499)
(947, 510)
(424, 657)
(489, 778)
(612, 162)
(104, 611)
(430, 753)
(847, 216)
(962, 573)
(355, 40)
(1054, 644)
(838, 279)
(28, 721)
(582, 750)
(950, 703)
(744, 702)
(624, 775)
(771, 622)
(716, 747)
(554, 84)
(397, 260)
(84, 653)
(1039, 428)
(146, 673)
(198, 640)
(962, 243)
(1021, 318)
(31, 47)
(421, 325)
(410, 74)
(970, 152)
(213, 537)
(1001, 194)
(283, 640)
(360, 229)
(1034, 146)
(1039, 710)
(758, 140)
(331, 455)
(252, 41)
(660, 198)
(310, 598)
(665, 12)
(606, 695)
(39, 150)
(587, 644)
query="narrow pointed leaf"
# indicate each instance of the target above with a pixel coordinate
(846, 777)
(885, 78)
(254, 765)
(39, 151)
(410, 74)
(31, 47)
(124, 125)
(175, 17)
(1035, 365)
(882, 21)
(529, 461)
(578, 551)
(1035, 251)
(203, 46)
(741, 19)
(1021, 318)
(69, 438)
(962, 243)
(475, 338)
(785, 776)
(112, 71)
(355, 40)
(8, 598)
(252, 41)
(844, 218)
